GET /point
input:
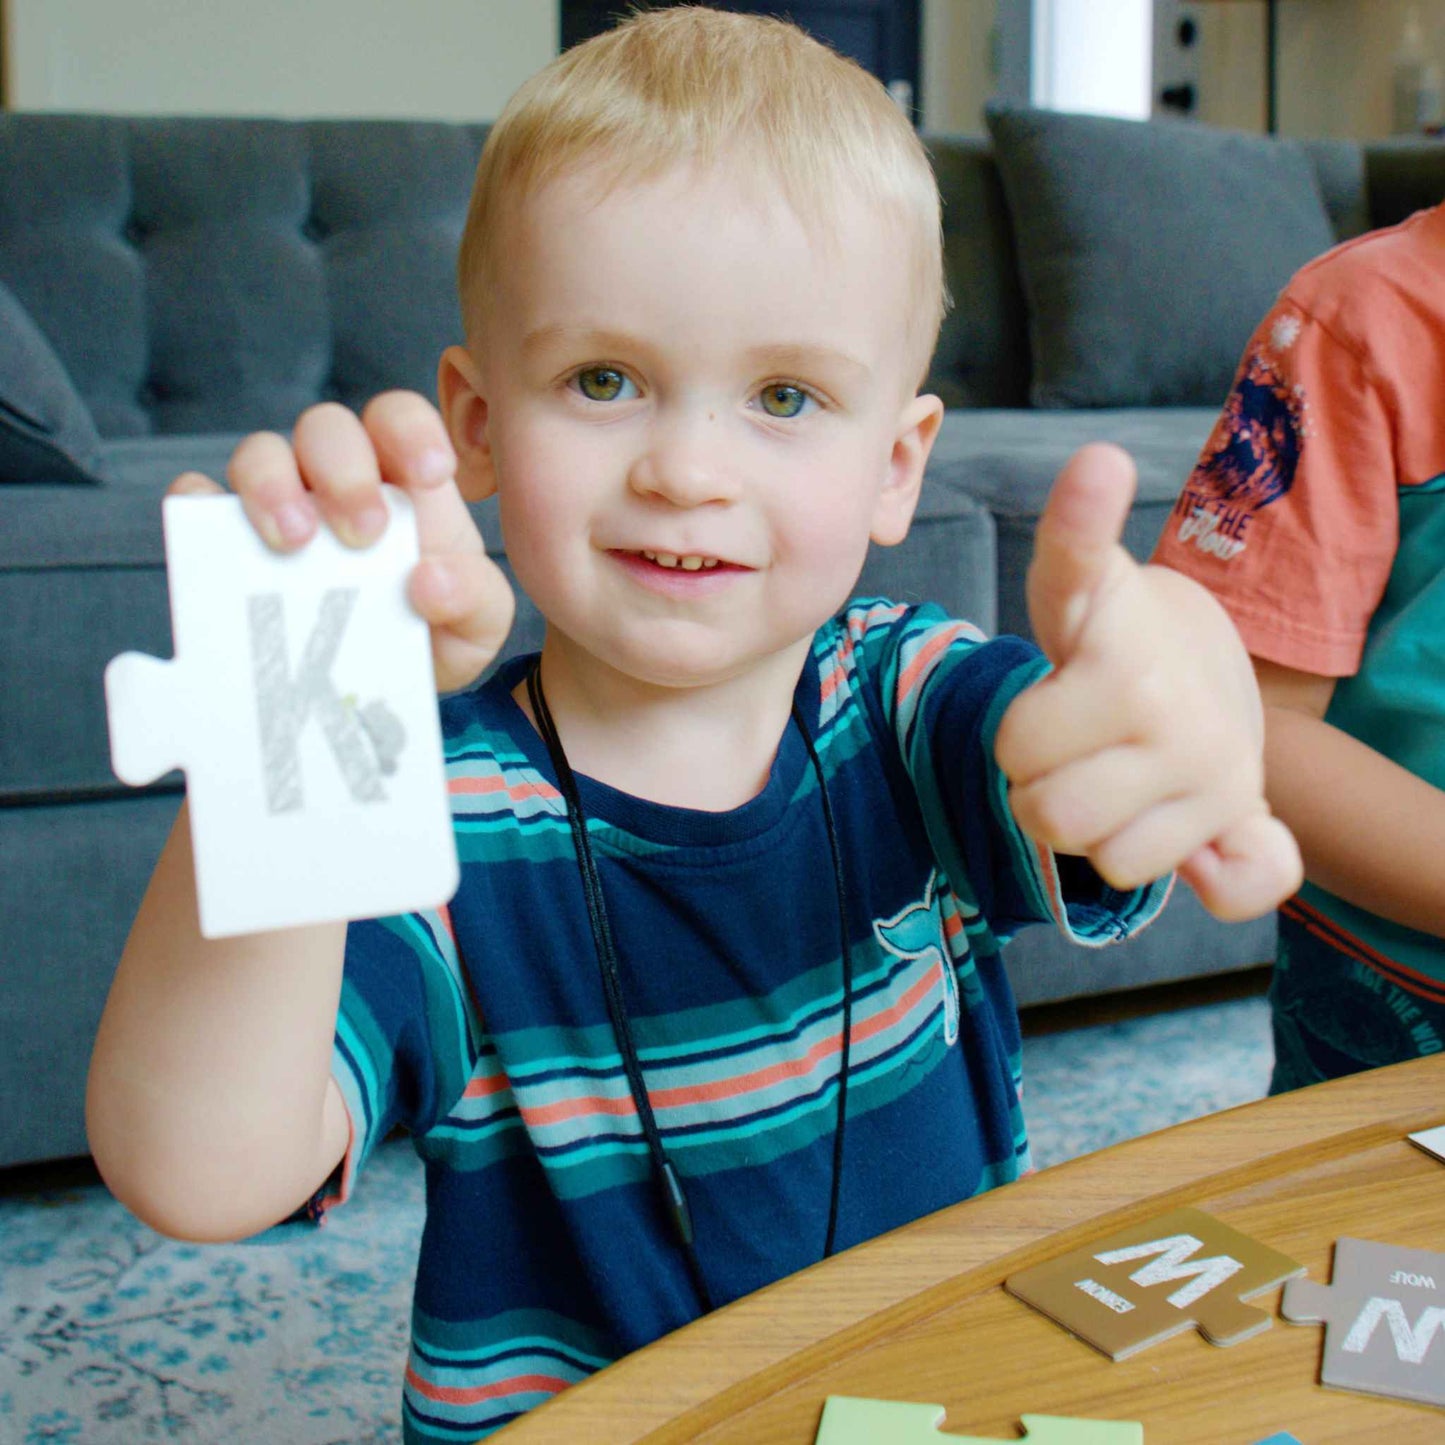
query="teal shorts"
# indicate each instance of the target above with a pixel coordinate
(1336, 1014)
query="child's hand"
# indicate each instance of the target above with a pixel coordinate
(1143, 749)
(332, 471)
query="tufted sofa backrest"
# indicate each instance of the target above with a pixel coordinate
(220, 275)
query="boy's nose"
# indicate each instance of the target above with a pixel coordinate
(686, 461)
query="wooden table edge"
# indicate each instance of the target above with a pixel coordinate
(680, 1384)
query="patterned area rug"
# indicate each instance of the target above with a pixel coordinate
(110, 1335)
(1087, 1088)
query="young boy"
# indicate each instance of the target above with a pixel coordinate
(1317, 516)
(720, 990)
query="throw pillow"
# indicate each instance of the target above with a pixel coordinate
(46, 431)
(1149, 250)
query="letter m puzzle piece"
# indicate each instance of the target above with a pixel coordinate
(1157, 1279)
(849, 1421)
(1384, 1317)
(302, 706)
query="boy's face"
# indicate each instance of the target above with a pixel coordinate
(696, 415)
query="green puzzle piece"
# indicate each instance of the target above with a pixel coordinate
(851, 1421)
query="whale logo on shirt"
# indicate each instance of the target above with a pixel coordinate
(916, 934)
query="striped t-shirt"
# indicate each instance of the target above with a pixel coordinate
(482, 1028)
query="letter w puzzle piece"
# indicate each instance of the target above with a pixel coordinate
(850, 1421)
(1157, 1279)
(1384, 1318)
(301, 705)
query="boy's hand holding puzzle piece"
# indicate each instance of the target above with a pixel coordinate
(1140, 751)
(301, 703)
(301, 707)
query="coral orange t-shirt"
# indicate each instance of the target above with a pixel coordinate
(1291, 516)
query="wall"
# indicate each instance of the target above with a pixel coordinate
(438, 59)
(460, 59)
(1335, 59)
(443, 59)
(957, 73)
(1334, 75)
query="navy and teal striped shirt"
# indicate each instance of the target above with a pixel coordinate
(482, 1029)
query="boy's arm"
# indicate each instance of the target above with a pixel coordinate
(1371, 832)
(210, 1107)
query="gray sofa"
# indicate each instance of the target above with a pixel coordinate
(168, 284)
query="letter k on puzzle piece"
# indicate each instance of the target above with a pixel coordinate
(302, 706)
(849, 1421)
(1384, 1318)
(1157, 1279)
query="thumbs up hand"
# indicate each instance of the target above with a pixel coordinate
(1143, 749)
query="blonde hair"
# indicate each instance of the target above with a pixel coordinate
(693, 85)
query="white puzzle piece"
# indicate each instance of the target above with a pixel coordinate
(1432, 1141)
(301, 705)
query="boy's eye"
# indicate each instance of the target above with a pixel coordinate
(781, 399)
(602, 383)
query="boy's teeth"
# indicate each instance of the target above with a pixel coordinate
(688, 564)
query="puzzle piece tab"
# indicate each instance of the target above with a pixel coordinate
(301, 705)
(851, 1421)
(1384, 1318)
(1156, 1279)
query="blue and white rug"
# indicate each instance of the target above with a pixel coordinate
(111, 1335)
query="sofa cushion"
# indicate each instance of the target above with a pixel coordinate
(221, 275)
(46, 432)
(82, 577)
(1340, 172)
(1149, 250)
(982, 356)
(70, 884)
(1007, 460)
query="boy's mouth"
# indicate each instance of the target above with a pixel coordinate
(692, 563)
(680, 574)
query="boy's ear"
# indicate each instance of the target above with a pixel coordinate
(464, 410)
(917, 428)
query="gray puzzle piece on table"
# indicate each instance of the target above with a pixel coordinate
(1384, 1318)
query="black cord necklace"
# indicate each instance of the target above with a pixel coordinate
(674, 1198)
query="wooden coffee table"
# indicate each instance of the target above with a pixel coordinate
(921, 1314)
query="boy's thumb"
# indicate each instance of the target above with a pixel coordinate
(1074, 543)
